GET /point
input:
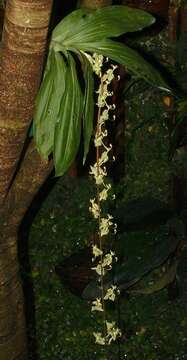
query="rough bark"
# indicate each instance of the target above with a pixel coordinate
(32, 174)
(22, 53)
(13, 344)
(94, 4)
(173, 21)
(21, 60)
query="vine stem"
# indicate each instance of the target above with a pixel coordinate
(98, 148)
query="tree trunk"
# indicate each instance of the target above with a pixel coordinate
(21, 61)
(173, 21)
(13, 344)
(12, 320)
(94, 4)
(22, 53)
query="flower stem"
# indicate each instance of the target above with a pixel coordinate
(98, 148)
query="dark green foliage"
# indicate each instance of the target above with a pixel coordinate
(85, 25)
(60, 105)
(68, 126)
(88, 113)
(48, 103)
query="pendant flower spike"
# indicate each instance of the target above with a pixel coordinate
(105, 221)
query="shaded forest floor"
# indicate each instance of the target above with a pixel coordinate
(154, 328)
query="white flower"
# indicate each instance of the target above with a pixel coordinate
(106, 263)
(103, 94)
(109, 75)
(111, 293)
(104, 116)
(98, 141)
(104, 158)
(99, 269)
(97, 63)
(107, 260)
(97, 305)
(98, 175)
(104, 193)
(99, 339)
(96, 251)
(105, 224)
(94, 208)
(112, 331)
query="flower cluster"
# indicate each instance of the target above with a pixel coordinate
(103, 261)
(112, 334)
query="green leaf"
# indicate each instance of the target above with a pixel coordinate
(48, 104)
(86, 25)
(41, 105)
(88, 113)
(68, 126)
(127, 57)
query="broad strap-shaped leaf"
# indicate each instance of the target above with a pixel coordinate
(47, 112)
(128, 57)
(88, 113)
(68, 126)
(42, 103)
(85, 25)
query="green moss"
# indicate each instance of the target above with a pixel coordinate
(153, 328)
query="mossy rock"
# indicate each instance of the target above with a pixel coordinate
(142, 213)
(148, 263)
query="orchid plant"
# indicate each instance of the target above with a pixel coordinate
(65, 108)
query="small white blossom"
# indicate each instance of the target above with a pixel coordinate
(99, 269)
(99, 339)
(104, 116)
(109, 75)
(112, 331)
(98, 175)
(97, 63)
(105, 225)
(104, 156)
(107, 260)
(98, 141)
(111, 293)
(104, 193)
(97, 305)
(96, 251)
(94, 208)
